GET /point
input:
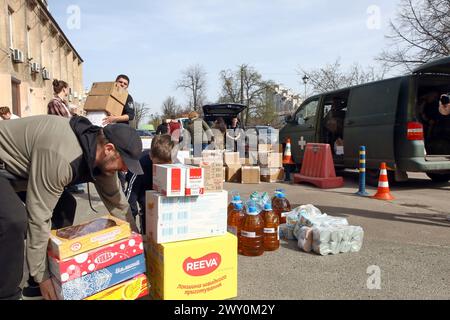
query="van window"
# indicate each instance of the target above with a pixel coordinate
(307, 112)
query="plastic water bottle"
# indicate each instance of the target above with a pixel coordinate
(235, 200)
(235, 219)
(281, 206)
(271, 229)
(252, 234)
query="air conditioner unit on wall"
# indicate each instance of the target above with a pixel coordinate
(18, 56)
(35, 67)
(46, 74)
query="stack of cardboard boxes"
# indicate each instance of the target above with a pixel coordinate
(100, 260)
(270, 159)
(190, 254)
(104, 99)
(264, 165)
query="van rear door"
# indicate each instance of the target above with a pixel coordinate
(370, 122)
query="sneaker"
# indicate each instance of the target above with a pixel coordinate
(32, 293)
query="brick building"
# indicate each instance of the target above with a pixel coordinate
(33, 51)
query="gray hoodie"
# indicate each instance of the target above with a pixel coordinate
(44, 154)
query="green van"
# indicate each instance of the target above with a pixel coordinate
(397, 119)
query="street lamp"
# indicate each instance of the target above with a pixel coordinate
(305, 81)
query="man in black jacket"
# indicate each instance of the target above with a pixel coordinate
(128, 113)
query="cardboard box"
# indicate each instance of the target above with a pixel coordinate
(265, 148)
(64, 247)
(97, 259)
(96, 117)
(213, 176)
(185, 218)
(109, 89)
(231, 158)
(270, 159)
(204, 269)
(212, 156)
(103, 103)
(272, 175)
(195, 181)
(234, 174)
(193, 161)
(251, 175)
(169, 180)
(133, 289)
(100, 280)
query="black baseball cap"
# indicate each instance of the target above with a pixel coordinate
(128, 144)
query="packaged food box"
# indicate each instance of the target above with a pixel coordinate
(195, 181)
(169, 180)
(203, 269)
(97, 259)
(71, 241)
(93, 283)
(213, 176)
(171, 219)
(133, 289)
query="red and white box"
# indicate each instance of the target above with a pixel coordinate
(169, 180)
(75, 267)
(195, 181)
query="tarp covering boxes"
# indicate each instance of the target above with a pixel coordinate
(98, 260)
(190, 255)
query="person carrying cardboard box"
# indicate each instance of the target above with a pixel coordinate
(35, 160)
(161, 152)
(129, 112)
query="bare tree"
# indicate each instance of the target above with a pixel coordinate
(170, 108)
(155, 120)
(141, 111)
(244, 86)
(331, 77)
(419, 34)
(193, 82)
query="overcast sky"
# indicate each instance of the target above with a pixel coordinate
(153, 41)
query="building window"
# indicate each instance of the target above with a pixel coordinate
(11, 27)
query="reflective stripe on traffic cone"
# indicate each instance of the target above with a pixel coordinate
(384, 192)
(287, 159)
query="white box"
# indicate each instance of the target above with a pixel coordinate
(169, 180)
(172, 219)
(96, 117)
(195, 181)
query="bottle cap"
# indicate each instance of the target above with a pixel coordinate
(237, 198)
(252, 211)
(238, 206)
(268, 207)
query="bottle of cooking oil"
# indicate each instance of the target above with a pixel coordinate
(271, 228)
(252, 234)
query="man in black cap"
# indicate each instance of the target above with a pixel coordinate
(41, 156)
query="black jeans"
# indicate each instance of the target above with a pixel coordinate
(13, 227)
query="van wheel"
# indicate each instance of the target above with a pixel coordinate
(439, 178)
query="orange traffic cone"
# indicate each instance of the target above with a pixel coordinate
(384, 192)
(287, 159)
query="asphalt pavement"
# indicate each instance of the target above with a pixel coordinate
(407, 241)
